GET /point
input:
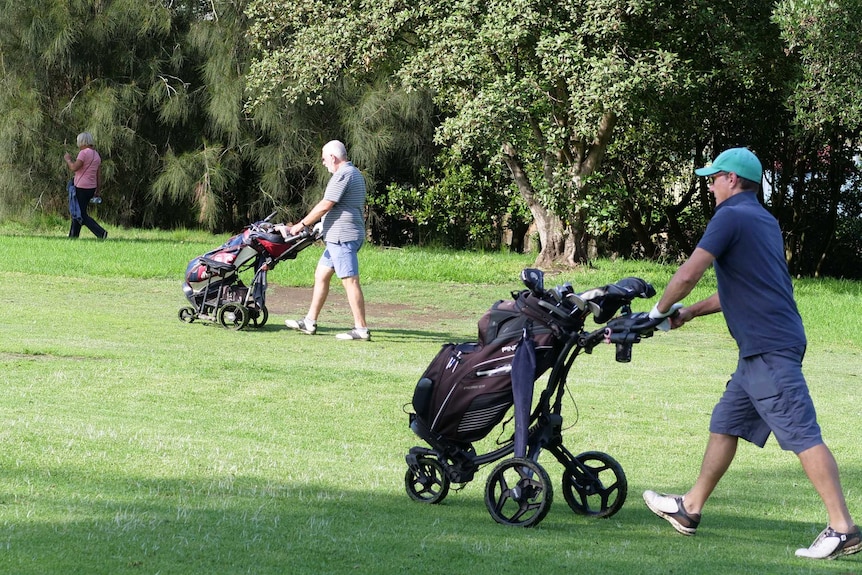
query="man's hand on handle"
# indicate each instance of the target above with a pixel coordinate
(670, 316)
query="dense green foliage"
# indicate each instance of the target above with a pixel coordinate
(161, 86)
(599, 110)
(828, 38)
(470, 119)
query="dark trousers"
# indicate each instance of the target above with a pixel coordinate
(84, 196)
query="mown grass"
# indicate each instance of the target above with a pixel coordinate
(134, 443)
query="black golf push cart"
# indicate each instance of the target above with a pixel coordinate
(469, 388)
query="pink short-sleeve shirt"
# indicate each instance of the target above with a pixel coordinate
(87, 176)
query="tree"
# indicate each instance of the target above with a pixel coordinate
(161, 85)
(827, 36)
(456, 205)
(734, 95)
(62, 63)
(540, 84)
(816, 182)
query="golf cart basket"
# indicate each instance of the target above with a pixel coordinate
(469, 388)
(213, 282)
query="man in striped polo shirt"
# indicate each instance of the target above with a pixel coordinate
(341, 211)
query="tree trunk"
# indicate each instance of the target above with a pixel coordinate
(835, 174)
(563, 242)
(556, 241)
(642, 235)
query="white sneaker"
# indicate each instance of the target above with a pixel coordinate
(301, 325)
(671, 508)
(831, 544)
(355, 334)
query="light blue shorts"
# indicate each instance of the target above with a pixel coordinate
(768, 393)
(342, 258)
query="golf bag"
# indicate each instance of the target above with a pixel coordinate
(467, 388)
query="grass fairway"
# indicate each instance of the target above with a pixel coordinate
(133, 443)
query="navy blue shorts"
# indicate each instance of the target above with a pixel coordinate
(768, 394)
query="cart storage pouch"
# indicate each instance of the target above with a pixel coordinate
(466, 390)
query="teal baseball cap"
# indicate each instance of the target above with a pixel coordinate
(740, 161)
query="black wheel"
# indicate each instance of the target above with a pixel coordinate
(187, 314)
(259, 316)
(428, 483)
(519, 493)
(233, 316)
(599, 489)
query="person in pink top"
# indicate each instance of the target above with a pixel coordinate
(88, 178)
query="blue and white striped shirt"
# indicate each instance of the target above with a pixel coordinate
(345, 222)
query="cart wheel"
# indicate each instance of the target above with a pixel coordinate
(428, 483)
(259, 316)
(233, 316)
(519, 493)
(187, 314)
(599, 489)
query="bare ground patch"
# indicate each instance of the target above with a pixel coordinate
(293, 302)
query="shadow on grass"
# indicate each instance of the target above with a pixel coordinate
(62, 521)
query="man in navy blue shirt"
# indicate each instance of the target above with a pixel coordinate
(767, 393)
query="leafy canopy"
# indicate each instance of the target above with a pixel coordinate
(494, 66)
(827, 36)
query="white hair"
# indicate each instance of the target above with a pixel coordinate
(336, 148)
(85, 139)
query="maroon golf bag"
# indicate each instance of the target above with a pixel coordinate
(467, 388)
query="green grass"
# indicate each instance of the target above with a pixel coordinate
(134, 443)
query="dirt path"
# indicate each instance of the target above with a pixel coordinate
(290, 302)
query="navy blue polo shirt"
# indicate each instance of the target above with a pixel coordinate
(753, 283)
